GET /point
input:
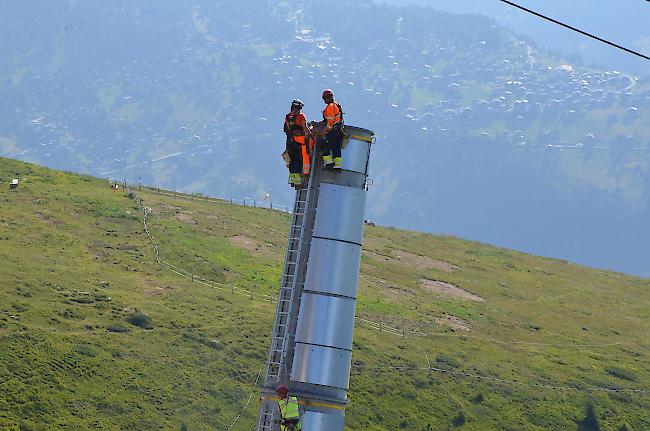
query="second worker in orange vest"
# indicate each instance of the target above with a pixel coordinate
(333, 119)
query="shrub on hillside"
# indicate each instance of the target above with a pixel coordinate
(117, 328)
(71, 313)
(141, 320)
(444, 361)
(590, 421)
(215, 344)
(621, 373)
(83, 299)
(460, 420)
(20, 308)
(86, 350)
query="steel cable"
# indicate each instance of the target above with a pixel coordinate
(253, 391)
(570, 27)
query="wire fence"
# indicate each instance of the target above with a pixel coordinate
(403, 333)
(376, 325)
(266, 202)
(556, 387)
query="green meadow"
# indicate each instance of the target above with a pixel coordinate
(451, 334)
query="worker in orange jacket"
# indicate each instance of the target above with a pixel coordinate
(333, 120)
(298, 138)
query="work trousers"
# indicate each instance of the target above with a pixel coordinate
(291, 425)
(295, 156)
(335, 139)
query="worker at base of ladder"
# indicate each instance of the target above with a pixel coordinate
(298, 139)
(334, 133)
(289, 410)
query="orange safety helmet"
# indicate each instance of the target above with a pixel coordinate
(328, 93)
(282, 390)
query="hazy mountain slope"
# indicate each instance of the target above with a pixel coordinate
(477, 137)
(78, 266)
(623, 22)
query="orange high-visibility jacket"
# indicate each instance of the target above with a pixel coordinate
(332, 114)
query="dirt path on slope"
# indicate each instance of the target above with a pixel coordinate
(448, 289)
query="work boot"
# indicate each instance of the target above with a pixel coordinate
(297, 180)
(328, 161)
(337, 162)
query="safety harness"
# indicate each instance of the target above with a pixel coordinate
(290, 414)
(292, 126)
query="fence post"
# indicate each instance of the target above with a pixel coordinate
(192, 278)
(158, 190)
(230, 201)
(232, 290)
(251, 292)
(254, 204)
(380, 327)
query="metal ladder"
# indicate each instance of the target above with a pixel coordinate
(293, 278)
(285, 297)
(266, 422)
(304, 214)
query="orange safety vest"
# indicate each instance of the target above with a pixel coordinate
(333, 114)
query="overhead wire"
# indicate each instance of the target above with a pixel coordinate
(570, 27)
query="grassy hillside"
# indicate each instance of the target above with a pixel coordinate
(95, 335)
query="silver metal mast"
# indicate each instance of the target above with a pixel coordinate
(311, 346)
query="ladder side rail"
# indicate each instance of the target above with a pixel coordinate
(299, 281)
(266, 420)
(300, 270)
(278, 315)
